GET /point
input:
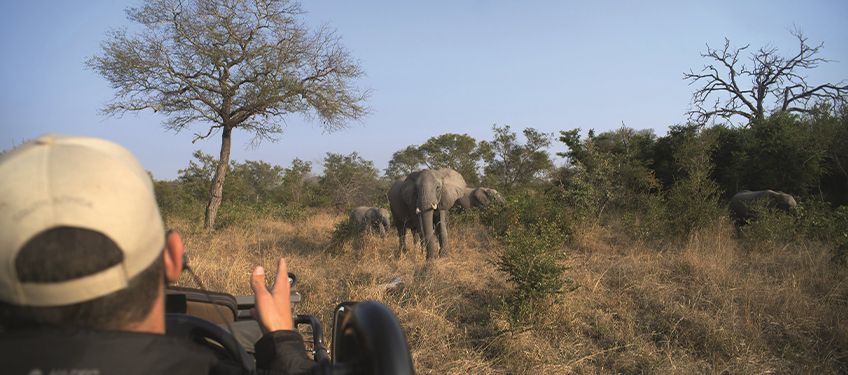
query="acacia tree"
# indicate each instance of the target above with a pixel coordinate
(405, 162)
(294, 188)
(229, 64)
(460, 152)
(731, 88)
(510, 164)
(350, 180)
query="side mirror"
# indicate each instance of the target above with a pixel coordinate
(368, 339)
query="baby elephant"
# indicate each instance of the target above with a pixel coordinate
(369, 219)
(742, 204)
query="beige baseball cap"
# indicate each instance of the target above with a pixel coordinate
(78, 182)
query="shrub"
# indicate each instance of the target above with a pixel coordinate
(532, 228)
(235, 215)
(343, 232)
(692, 204)
(650, 220)
(532, 258)
(818, 221)
(579, 192)
(813, 220)
(526, 208)
(770, 227)
(693, 198)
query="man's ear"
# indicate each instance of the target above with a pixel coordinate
(173, 256)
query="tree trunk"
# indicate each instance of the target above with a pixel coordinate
(217, 190)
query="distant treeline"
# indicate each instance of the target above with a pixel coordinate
(806, 156)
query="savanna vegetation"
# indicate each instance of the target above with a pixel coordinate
(623, 260)
(620, 260)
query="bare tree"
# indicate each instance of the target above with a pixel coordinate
(730, 88)
(229, 64)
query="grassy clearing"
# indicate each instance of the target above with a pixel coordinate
(708, 305)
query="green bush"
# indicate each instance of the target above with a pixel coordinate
(234, 214)
(532, 227)
(692, 204)
(244, 214)
(693, 198)
(650, 220)
(813, 220)
(770, 226)
(819, 222)
(578, 191)
(467, 216)
(526, 208)
(343, 232)
(532, 258)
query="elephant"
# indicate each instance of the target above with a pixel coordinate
(741, 205)
(419, 197)
(480, 197)
(403, 216)
(368, 219)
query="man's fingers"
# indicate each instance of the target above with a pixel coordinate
(281, 286)
(257, 283)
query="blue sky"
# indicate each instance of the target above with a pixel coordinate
(433, 67)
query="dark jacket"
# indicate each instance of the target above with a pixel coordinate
(84, 352)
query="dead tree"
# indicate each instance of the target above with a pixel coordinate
(768, 83)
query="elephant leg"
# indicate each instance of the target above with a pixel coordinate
(416, 238)
(401, 230)
(425, 220)
(443, 233)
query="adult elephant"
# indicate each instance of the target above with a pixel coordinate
(369, 219)
(743, 204)
(480, 197)
(419, 197)
(403, 215)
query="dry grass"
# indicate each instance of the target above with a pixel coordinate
(709, 305)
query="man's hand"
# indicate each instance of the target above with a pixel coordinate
(274, 306)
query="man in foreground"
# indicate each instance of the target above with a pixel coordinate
(84, 260)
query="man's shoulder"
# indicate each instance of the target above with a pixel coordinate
(101, 352)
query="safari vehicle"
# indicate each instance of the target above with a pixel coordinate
(366, 336)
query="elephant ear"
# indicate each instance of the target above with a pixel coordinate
(482, 197)
(408, 192)
(453, 185)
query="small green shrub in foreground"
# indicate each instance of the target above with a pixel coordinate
(532, 258)
(532, 226)
(343, 232)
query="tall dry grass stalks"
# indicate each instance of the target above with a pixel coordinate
(708, 305)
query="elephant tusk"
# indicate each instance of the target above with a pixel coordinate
(417, 210)
(434, 205)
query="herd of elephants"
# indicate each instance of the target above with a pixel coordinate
(420, 203)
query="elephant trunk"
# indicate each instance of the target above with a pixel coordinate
(425, 220)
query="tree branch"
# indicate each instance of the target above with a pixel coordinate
(771, 76)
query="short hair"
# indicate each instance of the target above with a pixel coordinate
(67, 253)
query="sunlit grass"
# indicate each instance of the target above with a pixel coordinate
(709, 305)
